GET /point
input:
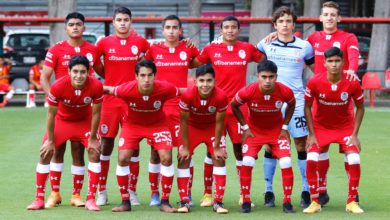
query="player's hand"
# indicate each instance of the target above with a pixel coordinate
(39, 87)
(285, 134)
(189, 43)
(351, 75)
(354, 141)
(94, 146)
(311, 140)
(183, 154)
(270, 37)
(47, 149)
(220, 153)
(246, 134)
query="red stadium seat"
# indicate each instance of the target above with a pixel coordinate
(371, 81)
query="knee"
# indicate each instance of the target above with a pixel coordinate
(353, 158)
(285, 162)
(166, 159)
(154, 158)
(248, 161)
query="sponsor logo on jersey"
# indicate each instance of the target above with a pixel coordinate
(157, 104)
(132, 104)
(322, 95)
(212, 108)
(159, 57)
(183, 55)
(242, 54)
(111, 50)
(244, 148)
(255, 105)
(87, 100)
(217, 55)
(134, 49)
(336, 44)
(344, 96)
(278, 104)
(67, 56)
(89, 57)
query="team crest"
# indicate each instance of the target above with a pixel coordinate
(244, 148)
(336, 44)
(134, 49)
(157, 104)
(121, 142)
(212, 108)
(87, 100)
(344, 96)
(104, 128)
(242, 54)
(89, 57)
(278, 104)
(183, 55)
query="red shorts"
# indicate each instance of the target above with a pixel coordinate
(172, 114)
(5, 87)
(203, 135)
(110, 118)
(232, 126)
(279, 147)
(341, 137)
(157, 135)
(70, 130)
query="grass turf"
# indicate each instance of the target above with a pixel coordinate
(21, 134)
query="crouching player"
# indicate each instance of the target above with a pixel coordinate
(71, 117)
(202, 114)
(332, 122)
(144, 118)
(265, 125)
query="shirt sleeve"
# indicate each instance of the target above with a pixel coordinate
(123, 90)
(256, 54)
(51, 58)
(145, 45)
(353, 52)
(241, 96)
(223, 104)
(357, 95)
(31, 72)
(309, 53)
(54, 95)
(309, 93)
(289, 95)
(184, 103)
(204, 56)
(99, 93)
(149, 54)
(194, 52)
(260, 46)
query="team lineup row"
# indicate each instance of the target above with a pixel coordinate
(148, 100)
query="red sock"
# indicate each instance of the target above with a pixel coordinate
(220, 183)
(288, 183)
(353, 184)
(93, 179)
(55, 179)
(312, 179)
(166, 185)
(77, 183)
(154, 177)
(123, 183)
(323, 167)
(245, 181)
(208, 178)
(183, 177)
(41, 174)
(191, 179)
(134, 172)
(105, 166)
(346, 167)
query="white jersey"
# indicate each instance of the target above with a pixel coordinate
(290, 59)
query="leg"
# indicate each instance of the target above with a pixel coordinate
(56, 168)
(134, 172)
(94, 169)
(287, 183)
(312, 178)
(353, 183)
(323, 167)
(78, 170)
(219, 173)
(122, 175)
(301, 151)
(167, 172)
(245, 182)
(154, 176)
(269, 172)
(207, 199)
(183, 177)
(107, 146)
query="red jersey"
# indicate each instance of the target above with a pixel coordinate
(4, 71)
(59, 55)
(203, 111)
(75, 104)
(332, 101)
(145, 110)
(265, 110)
(230, 63)
(347, 43)
(35, 73)
(172, 63)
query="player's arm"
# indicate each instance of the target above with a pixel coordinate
(240, 118)
(288, 115)
(109, 90)
(31, 78)
(93, 142)
(353, 58)
(45, 78)
(99, 69)
(48, 146)
(195, 63)
(358, 121)
(184, 152)
(219, 153)
(311, 139)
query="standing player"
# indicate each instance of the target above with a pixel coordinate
(121, 51)
(265, 99)
(144, 118)
(71, 117)
(203, 109)
(172, 58)
(35, 83)
(230, 58)
(4, 81)
(56, 61)
(290, 54)
(333, 122)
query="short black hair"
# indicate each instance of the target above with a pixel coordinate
(205, 69)
(231, 18)
(78, 60)
(171, 17)
(122, 10)
(333, 51)
(145, 63)
(75, 15)
(267, 65)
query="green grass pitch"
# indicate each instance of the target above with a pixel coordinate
(20, 138)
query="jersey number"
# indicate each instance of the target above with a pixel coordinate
(284, 145)
(222, 143)
(240, 131)
(300, 122)
(164, 136)
(347, 139)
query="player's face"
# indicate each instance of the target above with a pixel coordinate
(229, 31)
(75, 28)
(329, 18)
(205, 84)
(284, 25)
(78, 75)
(267, 80)
(122, 23)
(171, 30)
(145, 78)
(334, 64)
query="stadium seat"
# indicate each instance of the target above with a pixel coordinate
(371, 81)
(20, 85)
